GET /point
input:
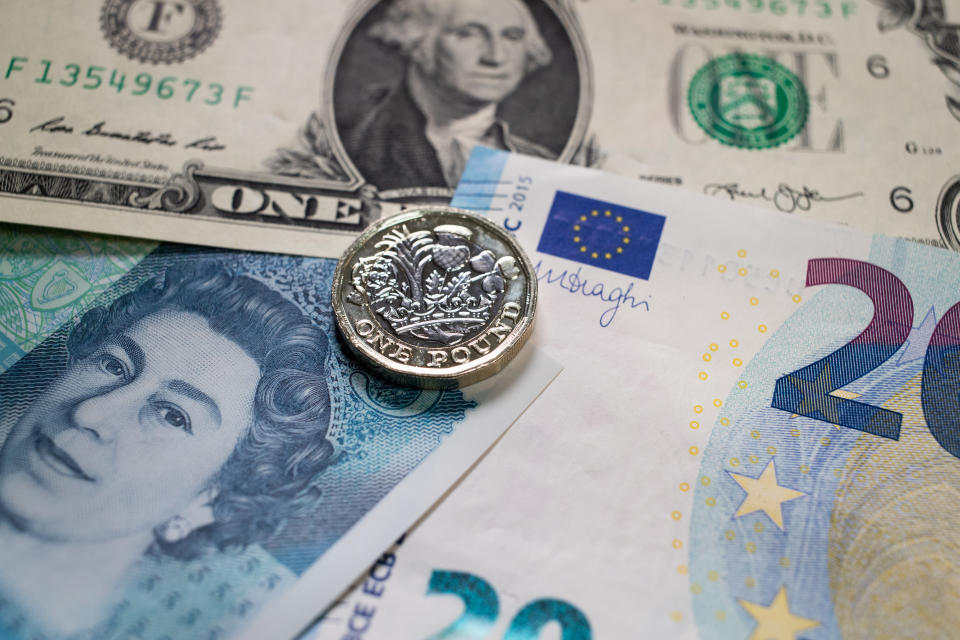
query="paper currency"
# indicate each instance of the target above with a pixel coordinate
(287, 129)
(188, 454)
(48, 278)
(755, 435)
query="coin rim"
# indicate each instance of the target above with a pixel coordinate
(451, 377)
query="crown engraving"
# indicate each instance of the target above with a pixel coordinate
(435, 285)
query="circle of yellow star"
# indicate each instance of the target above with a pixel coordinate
(764, 494)
(580, 238)
(775, 621)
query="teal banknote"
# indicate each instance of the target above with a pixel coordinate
(47, 278)
(756, 434)
(186, 452)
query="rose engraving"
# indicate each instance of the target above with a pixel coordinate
(434, 285)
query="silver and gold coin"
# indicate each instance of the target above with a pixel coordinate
(435, 297)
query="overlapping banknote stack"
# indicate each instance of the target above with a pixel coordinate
(755, 430)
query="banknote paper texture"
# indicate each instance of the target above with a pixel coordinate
(755, 435)
(50, 277)
(186, 452)
(246, 126)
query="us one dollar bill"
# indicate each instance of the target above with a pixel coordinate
(289, 128)
(186, 452)
(755, 435)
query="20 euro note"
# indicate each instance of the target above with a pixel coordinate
(288, 128)
(755, 434)
(186, 452)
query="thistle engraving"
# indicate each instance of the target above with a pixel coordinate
(435, 285)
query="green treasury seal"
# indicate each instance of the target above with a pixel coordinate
(748, 101)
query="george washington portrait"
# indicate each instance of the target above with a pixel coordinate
(414, 85)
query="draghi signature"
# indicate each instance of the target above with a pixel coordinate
(785, 198)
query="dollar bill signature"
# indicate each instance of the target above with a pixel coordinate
(247, 126)
(755, 436)
(188, 454)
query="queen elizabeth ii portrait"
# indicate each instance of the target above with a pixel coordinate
(195, 450)
(191, 415)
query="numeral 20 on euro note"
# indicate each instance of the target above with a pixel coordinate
(482, 608)
(806, 391)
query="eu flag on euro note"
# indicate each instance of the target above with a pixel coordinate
(602, 234)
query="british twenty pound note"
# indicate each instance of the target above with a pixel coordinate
(185, 452)
(289, 127)
(755, 436)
